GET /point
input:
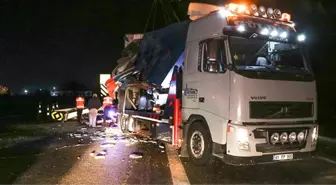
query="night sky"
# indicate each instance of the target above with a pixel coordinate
(49, 42)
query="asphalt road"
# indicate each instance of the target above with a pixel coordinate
(299, 172)
(65, 160)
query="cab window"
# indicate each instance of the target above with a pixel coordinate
(212, 56)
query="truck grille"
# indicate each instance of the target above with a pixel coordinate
(279, 146)
(280, 110)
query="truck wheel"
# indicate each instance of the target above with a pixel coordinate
(199, 144)
(131, 124)
(123, 125)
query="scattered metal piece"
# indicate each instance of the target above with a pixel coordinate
(107, 145)
(100, 156)
(136, 155)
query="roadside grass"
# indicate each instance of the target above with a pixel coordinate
(15, 133)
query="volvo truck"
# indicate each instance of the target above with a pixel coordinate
(232, 82)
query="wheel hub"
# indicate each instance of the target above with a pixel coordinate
(197, 144)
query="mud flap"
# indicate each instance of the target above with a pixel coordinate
(161, 132)
(184, 151)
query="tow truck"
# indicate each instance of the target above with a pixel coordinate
(232, 82)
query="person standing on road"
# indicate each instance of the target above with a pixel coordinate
(93, 105)
(107, 104)
(80, 106)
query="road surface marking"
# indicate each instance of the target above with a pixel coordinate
(177, 171)
(326, 159)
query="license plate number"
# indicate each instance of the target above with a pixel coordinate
(282, 157)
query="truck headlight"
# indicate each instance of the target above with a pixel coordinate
(300, 137)
(314, 135)
(243, 139)
(283, 137)
(275, 137)
(292, 137)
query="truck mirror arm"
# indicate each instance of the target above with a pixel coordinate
(228, 67)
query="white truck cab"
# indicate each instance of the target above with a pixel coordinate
(248, 88)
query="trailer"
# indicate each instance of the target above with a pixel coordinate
(233, 82)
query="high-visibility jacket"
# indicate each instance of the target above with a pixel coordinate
(111, 86)
(80, 102)
(107, 101)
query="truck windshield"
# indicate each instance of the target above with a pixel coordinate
(268, 56)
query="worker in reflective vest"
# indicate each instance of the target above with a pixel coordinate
(80, 106)
(107, 101)
(107, 104)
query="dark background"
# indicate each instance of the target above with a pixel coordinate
(45, 43)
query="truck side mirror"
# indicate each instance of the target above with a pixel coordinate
(212, 50)
(213, 66)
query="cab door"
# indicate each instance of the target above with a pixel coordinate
(214, 91)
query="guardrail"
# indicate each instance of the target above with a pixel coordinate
(66, 114)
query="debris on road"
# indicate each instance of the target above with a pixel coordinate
(78, 157)
(111, 131)
(153, 141)
(136, 155)
(111, 137)
(133, 140)
(104, 152)
(161, 146)
(78, 135)
(107, 145)
(100, 156)
(95, 138)
(111, 140)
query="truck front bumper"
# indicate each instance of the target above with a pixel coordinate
(252, 142)
(240, 161)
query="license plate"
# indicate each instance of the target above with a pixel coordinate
(282, 157)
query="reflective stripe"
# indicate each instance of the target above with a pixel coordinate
(80, 102)
(107, 101)
(103, 90)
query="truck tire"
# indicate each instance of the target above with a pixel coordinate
(131, 124)
(199, 144)
(124, 125)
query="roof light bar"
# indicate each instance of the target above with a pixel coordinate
(260, 11)
(270, 12)
(280, 34)
(285, 17)
(277, 13)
